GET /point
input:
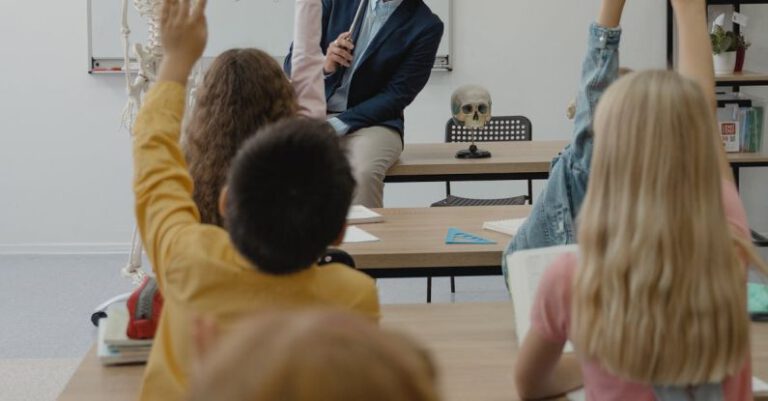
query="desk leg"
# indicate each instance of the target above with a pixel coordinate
(736, 176)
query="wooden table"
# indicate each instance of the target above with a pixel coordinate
(430, 162)
(434, 162)
(412, 242)
(474, 345)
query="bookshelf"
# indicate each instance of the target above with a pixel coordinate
(734, 80)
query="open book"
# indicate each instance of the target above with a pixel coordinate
(525, 271)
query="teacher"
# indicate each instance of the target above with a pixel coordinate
(373, 71)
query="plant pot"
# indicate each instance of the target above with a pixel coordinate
(741, 55)
(725, 63)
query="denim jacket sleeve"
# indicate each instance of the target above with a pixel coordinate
(552, 220)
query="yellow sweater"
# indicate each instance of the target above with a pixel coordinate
(198, 270)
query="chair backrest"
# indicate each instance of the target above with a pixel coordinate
(499, 129)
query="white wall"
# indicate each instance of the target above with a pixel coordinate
(65, 169)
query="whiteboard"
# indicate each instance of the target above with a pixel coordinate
(264, 24)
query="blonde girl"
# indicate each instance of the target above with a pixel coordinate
(655, 300)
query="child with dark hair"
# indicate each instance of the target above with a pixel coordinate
(245, 90)
(242, 91)
(290, 189)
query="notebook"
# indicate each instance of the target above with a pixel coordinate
(362, 215)
(525, 270)
(113, 346)
(508, 227)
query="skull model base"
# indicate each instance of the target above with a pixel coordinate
(473, 153)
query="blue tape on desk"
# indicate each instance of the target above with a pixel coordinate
(459, 237)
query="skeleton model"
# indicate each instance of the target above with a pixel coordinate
(148, 57)
(471, 109)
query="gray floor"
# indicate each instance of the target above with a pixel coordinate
(46, 302)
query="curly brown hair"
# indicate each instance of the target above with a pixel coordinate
(242, 91)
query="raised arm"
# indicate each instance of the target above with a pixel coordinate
(307, 59)
(696, 56)
(401, 89)
(599, 70)
(162, 184)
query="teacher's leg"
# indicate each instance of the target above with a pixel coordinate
(372, 151)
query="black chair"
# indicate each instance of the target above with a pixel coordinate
(333, 255)
(499, 129)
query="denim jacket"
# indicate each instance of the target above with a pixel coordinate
(552, 220)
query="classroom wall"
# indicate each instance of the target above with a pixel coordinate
(65, 169)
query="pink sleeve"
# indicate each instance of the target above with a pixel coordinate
(307, 60)
(734, 209)
(551, 314)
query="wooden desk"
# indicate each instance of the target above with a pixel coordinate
(413, 242)
(434, 162)
(430, 162)
(474, 345)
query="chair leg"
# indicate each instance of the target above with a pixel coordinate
(453, 285)
(429, 289)
(530, 192)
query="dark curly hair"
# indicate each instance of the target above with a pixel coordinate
(243, 91)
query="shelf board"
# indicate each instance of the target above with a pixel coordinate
(746, 78)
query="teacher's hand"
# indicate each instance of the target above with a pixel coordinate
(339, 53)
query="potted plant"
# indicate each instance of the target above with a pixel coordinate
(741, 51)
(724, 45)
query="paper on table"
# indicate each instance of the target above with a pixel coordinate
(360, 215)
(508, 227)
(357, 235)
(759, 386)
(525, 271)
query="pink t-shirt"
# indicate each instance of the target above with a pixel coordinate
(551, 319)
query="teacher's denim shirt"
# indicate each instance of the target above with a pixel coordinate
(552, 220)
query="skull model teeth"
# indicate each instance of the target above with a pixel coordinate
(471, 106)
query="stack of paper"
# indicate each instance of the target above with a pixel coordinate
(362, 215)
(114, 346)
(508, 227)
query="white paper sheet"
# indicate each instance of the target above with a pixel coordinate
(356, 235)
(759, 386)
(508, 227)
(362, 215)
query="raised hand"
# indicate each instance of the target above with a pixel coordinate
(183, 35)
(610, 13)
(339, 53)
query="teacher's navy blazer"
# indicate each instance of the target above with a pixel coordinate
(395, 67)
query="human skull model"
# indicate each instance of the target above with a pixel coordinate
(471, 106)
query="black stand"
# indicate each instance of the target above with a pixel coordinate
(473, 153)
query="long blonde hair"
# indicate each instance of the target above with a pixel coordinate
(660, 292)
(315, 355)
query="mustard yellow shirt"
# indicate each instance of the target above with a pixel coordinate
(198, 270)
